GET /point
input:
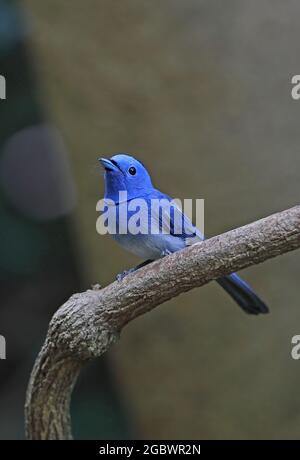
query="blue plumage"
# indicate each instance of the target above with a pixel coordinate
(157, 236)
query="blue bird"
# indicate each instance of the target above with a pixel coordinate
(124, 173)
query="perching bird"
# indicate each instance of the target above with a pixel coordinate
(123, 173)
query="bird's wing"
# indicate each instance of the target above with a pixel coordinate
(170, 219)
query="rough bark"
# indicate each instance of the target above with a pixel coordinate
(89, 322)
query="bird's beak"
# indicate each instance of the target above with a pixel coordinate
(107, 164)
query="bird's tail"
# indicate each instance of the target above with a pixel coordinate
(242, 293)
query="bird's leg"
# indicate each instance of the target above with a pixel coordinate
(165, 253)
(122, 275)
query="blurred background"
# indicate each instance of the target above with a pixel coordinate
(200, 92)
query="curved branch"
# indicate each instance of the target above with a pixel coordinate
(89, 322)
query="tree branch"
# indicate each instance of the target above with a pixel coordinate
(89, 322)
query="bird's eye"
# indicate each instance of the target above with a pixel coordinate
(132, 170)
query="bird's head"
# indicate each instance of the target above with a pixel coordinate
(123, 172)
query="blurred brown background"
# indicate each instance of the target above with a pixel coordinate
(200, 92)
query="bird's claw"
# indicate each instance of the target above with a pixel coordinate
(122, 275)
(166, 252)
